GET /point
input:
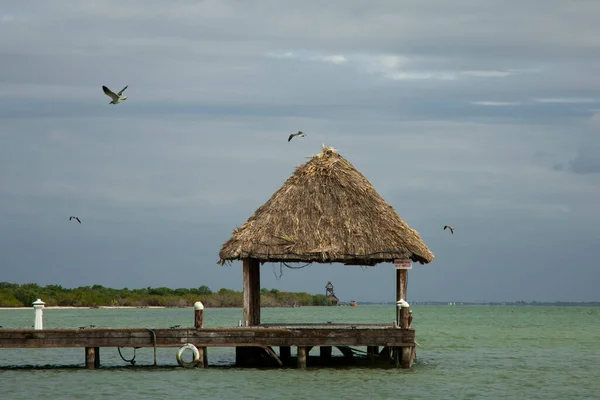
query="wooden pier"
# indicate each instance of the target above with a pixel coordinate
(326, 212)
(386, 344)
(254, 345)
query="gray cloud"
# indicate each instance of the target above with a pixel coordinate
(479, 115)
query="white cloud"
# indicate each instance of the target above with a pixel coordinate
(393, 66)
(496, 103)
(565, 100)
(487, 74)
(334, 59)
(309, 56)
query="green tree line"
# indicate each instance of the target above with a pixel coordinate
(15, 295)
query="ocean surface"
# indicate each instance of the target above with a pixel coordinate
(466, 352)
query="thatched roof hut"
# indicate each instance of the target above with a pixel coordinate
(326, 212)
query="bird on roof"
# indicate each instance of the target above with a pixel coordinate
(116, 98)
(75, 218)
(300, 134)
(449, 227)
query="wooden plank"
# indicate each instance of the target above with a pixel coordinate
(110, 333)
(230, 337)
(199, 334)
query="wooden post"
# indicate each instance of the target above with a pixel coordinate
(199, 324)
(92, 357)
(402, 354)
(198, 315)
(401, 286)
(325, 353)
(285, 353)
(406, 357)
(251, 292)
(372, 351)
(302, 356)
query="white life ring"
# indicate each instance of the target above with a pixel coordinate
(194, 349)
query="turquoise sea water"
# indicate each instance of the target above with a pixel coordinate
(470, 352)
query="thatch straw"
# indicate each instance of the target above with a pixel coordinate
(326, 212)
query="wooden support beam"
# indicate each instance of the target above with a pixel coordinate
(203, 359)
(92, 357)
(325, 353)
(285, 353)
(271, 352)
(401, 287)
(302, 357)
(372, 351)
(407, 353)
(401, 284)
(251, 284)
(199, 324)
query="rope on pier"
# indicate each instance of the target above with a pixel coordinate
(132, 361)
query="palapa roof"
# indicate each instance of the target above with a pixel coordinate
(326, 212)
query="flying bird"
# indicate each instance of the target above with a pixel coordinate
(75, 218)
(449, 227)
(300, 134)
(116, 98)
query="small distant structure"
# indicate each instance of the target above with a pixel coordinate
(330, 295)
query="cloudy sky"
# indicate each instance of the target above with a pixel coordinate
(484, 115)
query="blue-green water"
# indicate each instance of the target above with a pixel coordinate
(465, 353)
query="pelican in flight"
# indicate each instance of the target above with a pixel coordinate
(449, 227)
(75, 218)
(116, 98)
(300, 134)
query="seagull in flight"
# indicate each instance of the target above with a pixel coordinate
(116, 98)
(300, 134)
(449, 227)
(75, 218)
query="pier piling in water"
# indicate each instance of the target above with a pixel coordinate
(199, 324)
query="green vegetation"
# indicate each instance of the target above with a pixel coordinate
(14, 295)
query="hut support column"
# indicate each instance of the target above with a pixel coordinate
(402, 354)
(401, 285)
(245, 355)
(251, 292)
